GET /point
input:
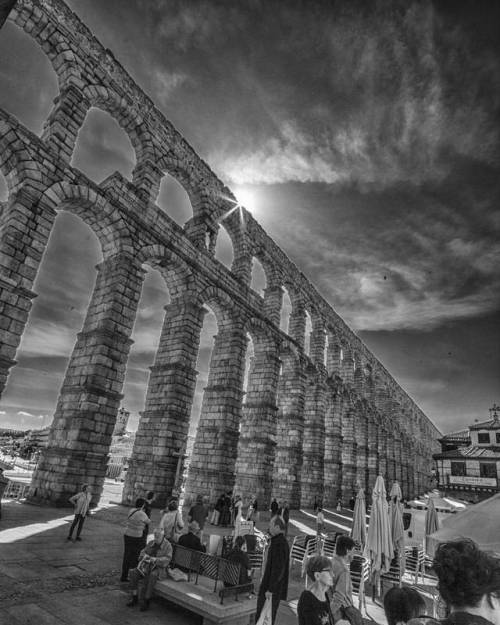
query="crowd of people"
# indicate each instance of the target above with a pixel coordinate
(468, 578)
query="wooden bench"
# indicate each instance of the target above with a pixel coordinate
(199, 593)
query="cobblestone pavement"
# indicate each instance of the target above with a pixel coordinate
(47, 580)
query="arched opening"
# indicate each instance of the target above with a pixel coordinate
(286, 311)
(209, 330)
(325, 351)
(307, 337)
(64, 285)
(248, 362)
(4, 189)
(29, 81)
(174, 200)
(224, 251)
(103, 147)
(146, 335)
(258, 281)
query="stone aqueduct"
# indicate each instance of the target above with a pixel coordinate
(309, 425)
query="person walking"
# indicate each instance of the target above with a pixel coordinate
(81, 501)
(3, 485)
(320, 522)
(313, 607)
(274, 582)
(274, 507)
(341, 604)
(154, 559)
(137, 519)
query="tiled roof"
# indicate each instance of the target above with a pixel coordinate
(459, 435)
(470, 452)
(491, 424)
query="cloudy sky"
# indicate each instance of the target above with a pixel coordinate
(364, 137)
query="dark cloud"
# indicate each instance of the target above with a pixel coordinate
(367, 134)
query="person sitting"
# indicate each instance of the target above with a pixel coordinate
(153, 562)
(403, 604)
(313, 607)
(469, 583)
(239, 555)
(191, 540)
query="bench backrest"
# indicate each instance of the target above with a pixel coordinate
(200, 563)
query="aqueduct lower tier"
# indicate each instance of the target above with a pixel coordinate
(310, 425)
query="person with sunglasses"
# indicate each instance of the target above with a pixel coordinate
(313, 607)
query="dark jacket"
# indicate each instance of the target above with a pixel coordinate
(275, 578)
(241, 558)
(191, 541)
(464, 618)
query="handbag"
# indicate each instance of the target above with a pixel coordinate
(352, 614)
(266, 616)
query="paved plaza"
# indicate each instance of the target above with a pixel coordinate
(47, 580)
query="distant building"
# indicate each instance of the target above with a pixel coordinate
(468, 465)
(121, 422)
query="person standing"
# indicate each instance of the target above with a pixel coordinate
(198, 512)
(3, 485)
(285, 515)
(275, 579)
(137, 519)
(274, 507)
(238, 514)
(81, 501)
(148, 508)
(313, 607)
(320, 522)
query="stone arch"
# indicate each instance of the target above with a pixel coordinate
(127, 118)
(38, 26)
(95, 211)
(286, 310)
(224, 251)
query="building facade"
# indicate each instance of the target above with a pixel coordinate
(468, 466)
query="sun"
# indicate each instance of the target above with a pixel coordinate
(247, 198)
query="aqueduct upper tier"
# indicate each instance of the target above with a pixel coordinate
(312, 423)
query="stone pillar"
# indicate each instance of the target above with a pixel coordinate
(333, 357)
(273, 300)
(391, 465)
(333, 451)
(161, 437)
(147, 178)
(347, 366)
(297, 323)
(318, 342)
(23, 237)
(211, 470)
(404, 466)
(372, 468)
(65, 119)
(90, 396)
(361, 433)
(398, 472)
(257, 441)
(382, 436)
(288, 458)
(314, 442)
(349, 450)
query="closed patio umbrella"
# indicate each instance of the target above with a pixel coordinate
(378, 546)
(397, 527)
(431, 520)
(358, 532)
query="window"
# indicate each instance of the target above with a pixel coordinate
(458, 468)
(487, 469)
(498, 438)
(483, 437)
